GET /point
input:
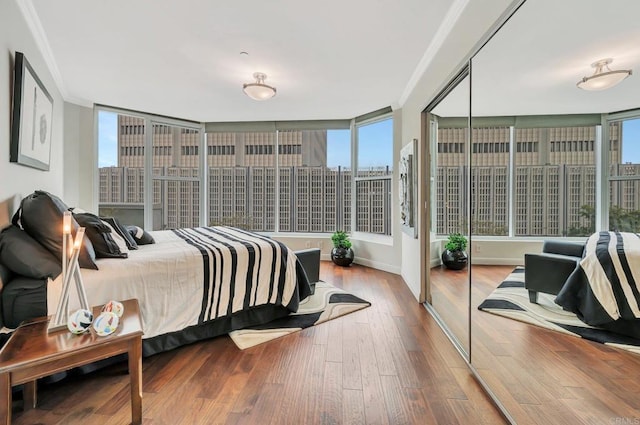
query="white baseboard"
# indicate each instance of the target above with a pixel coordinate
(378, 265)
(435, 262)
(492, 261)
(369, 263)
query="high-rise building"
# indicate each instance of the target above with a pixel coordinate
(554, 176)
(242, 181)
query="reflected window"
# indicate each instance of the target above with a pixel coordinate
(555, 180)
(546, 175)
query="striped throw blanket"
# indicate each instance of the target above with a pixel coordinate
(241, 270)
(606, 285)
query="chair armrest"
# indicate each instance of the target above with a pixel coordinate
(572, 249)
(548, 272)
(310, 261)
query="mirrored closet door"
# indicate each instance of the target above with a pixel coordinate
(448, 278)
(548, 163)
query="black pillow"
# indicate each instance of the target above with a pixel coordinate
(122, 231)
(40, 215)
(140, 235)
(100, 236)
(23, 299)
(23, 255)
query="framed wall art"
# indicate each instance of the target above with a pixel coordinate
(31, 119)
(407, 189)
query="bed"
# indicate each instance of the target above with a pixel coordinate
(191, 283)
(604, 290)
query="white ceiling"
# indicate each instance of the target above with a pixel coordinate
(328, 59)
(532, 65)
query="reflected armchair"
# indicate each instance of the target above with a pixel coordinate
(548, 271)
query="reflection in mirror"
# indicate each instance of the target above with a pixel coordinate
(449, 279)
(549, 161)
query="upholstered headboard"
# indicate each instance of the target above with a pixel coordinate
(5, 275)
(7, 208)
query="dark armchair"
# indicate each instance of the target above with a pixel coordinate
(548, 271)
(309, 259)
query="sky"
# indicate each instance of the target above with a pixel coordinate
(375, 146)
(631, 141)
(107, 139)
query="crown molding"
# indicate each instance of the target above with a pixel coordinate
(449, 21)
(40, 37)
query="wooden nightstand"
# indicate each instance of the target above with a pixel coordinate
(32, 353)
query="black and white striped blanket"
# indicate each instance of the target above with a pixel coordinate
(606, 285)
(241, 270)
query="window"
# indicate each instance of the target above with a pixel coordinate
(175, 175)
(554, 176)
(293, 180)
(624, 175)
(373, 176)
(314, 180)
(548, 182)
(121, 166)
(311, 186)
(176, 172)
(242, 179)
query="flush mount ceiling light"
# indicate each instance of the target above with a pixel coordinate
(603, 77)
(259, 90)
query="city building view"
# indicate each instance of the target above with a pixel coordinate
(543, 178)
(546, 176)
(249, 175)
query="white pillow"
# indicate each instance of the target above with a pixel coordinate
(117, 238)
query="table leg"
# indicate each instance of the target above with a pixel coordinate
(30, 395)
(5, 398)
(135, 375)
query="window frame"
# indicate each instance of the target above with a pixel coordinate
(209, 127)
(603, 194)
(149, 121)
(370, 119)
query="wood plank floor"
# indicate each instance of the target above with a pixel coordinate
(543, 376)
(387, 364)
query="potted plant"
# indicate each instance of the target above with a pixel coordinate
(341, 254)
(454, 256)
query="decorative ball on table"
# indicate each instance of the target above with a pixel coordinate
(114, 307)
(106, 323)
(79, 321)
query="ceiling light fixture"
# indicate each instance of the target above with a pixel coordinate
(603, 77)
(259, 90)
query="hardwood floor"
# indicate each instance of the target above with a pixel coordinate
(543, 376)
(387, 364)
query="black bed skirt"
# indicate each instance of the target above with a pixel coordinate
(212, 328)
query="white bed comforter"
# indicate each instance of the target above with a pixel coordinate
(168, 278)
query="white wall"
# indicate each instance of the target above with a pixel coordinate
(476, 19)
(14, 178)
(379, 254)
(79, 156)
